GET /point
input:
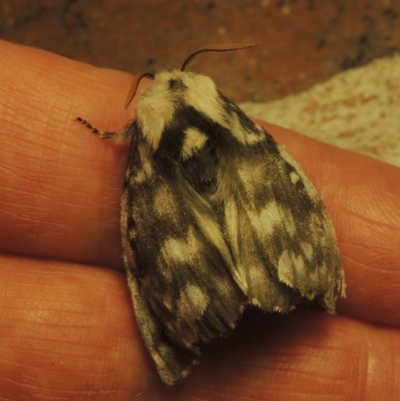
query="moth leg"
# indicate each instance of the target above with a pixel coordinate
(101, 134)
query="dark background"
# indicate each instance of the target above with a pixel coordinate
(301, 42)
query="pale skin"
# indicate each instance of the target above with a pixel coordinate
(67, 327)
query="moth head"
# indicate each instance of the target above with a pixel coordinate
(170, 92)
(209, 48)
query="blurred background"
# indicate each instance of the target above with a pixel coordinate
(300, 42)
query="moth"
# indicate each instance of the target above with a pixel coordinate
(215, 216)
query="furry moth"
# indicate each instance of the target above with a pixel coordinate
(215, 216)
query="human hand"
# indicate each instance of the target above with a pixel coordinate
(67, 327)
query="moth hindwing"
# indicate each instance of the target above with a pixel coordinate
(215, 216)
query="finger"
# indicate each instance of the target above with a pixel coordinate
(68, 332)
(61, 186)
(300, 356)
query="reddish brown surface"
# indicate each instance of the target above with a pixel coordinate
(300, 42)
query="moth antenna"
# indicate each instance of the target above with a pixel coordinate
(217, 48)
(134, 85)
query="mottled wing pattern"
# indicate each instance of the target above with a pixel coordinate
(281, 237)
(177, 261)
(220, 217)
(214, 216)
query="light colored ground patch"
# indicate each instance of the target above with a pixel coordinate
(358, 110)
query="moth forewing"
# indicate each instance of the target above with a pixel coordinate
(215, 216)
